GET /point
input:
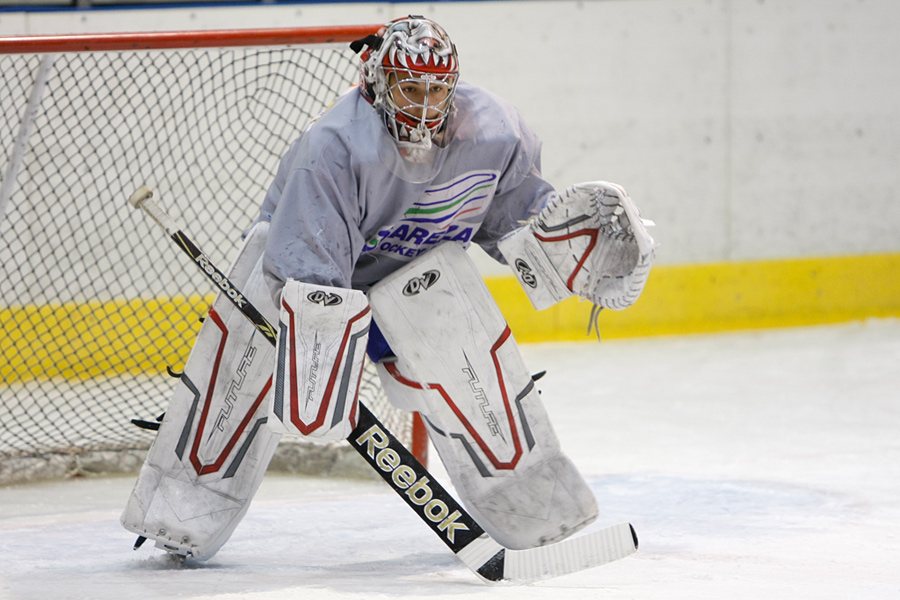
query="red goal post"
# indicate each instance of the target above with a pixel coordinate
(94, 306)
(162, 40)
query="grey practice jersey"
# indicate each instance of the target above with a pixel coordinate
(346, 209)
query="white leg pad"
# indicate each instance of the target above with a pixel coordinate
(321, 351)
(212, 448)
(459, 365)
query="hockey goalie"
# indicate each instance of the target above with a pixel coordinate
(360, 248)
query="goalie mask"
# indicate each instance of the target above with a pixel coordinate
(409, 71)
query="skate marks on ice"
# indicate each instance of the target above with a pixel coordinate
(298, 539)
(675, 513)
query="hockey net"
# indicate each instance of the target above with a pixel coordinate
(96, 304)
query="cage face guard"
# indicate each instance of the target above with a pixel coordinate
(419, 103)
(409, 72)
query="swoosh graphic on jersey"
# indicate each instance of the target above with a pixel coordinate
(465, 199)
(480, 178)
(459, 211)
(453, 206)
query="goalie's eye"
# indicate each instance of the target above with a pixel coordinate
(412, 89)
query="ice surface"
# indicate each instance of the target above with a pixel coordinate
(756, 465)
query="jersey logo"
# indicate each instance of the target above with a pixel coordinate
(451, 211)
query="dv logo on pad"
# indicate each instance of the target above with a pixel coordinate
(324, 298)
(420, 284)
(526, 273)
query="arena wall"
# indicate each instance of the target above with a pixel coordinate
(762, 137)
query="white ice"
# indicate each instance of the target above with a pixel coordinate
(755, 465)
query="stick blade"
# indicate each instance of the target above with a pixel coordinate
(571, 555)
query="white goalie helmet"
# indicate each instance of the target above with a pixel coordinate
(409, 71)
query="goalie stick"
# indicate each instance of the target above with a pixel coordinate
(413, 483)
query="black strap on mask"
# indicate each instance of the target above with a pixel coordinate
(372, 41)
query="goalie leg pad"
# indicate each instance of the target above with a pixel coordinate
(589, 241)
(321, 351)
(212, 448)
(459, 365)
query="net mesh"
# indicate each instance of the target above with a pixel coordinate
(96, 302)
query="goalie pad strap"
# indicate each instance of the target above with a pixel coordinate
(458, 364)
(319, 362)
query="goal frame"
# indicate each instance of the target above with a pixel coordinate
(167, 40)
(50, 45)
